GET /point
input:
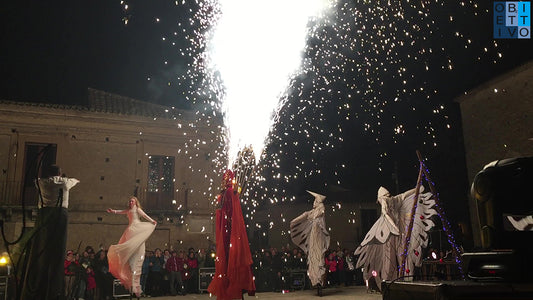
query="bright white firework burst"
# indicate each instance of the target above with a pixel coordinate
(257, 46)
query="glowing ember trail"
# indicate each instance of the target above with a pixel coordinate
(256, 47)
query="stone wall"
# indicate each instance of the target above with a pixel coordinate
(108, 152)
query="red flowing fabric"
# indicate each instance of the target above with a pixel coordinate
(233, 272)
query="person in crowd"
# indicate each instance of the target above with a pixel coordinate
(91, 283)
(84, 262)
(210, 258)
(145, 271)
(70, 269)
(266, 271)
(300, 263)
(201, 258)
(155, 277)
(126, 258)
(257, 265)
(90, 253)
(166, 255)
(174, 266)
(80, 282)
(341, 267)
(277, 268)
(350, 267)
(332, 265)
(192, 281)
(165, 274)
(104, 279)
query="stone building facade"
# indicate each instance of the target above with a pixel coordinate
(497, 122)
(117, 147)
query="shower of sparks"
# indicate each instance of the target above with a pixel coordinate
(375, 74)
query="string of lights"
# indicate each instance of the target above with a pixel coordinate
(444, 221)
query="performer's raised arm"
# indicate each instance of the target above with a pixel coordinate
(117, 211)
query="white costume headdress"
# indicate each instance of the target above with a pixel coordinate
(318, 198)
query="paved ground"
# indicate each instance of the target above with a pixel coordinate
(340, 293)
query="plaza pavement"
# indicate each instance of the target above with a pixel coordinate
(334, 293)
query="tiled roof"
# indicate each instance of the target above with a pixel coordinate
(100, 101)
(45, 105)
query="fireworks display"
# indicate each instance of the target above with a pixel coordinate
(343, 91)
(327, 92)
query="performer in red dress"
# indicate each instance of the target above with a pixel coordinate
(233, 273)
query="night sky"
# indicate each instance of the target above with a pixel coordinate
(378, 83)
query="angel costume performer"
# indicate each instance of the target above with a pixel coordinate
(380, 253)
(308, 231)
(126, 258)
(233, 272)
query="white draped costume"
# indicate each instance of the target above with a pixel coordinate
(308, 231)
(380, 253)
(126, 258)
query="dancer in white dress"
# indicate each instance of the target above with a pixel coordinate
(126, 258)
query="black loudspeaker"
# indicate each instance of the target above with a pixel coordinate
(298, 280)
(206, 275)
(119, 290)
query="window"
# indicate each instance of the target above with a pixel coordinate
(160, 189)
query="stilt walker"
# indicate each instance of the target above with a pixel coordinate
(308, 231)
(233, 272)
(380, 253)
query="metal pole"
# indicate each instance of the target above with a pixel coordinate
(412, 217)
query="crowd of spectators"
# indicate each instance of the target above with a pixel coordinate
(168, 272)
(286, 269)
(164, 272)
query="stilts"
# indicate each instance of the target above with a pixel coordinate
(319, 290)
